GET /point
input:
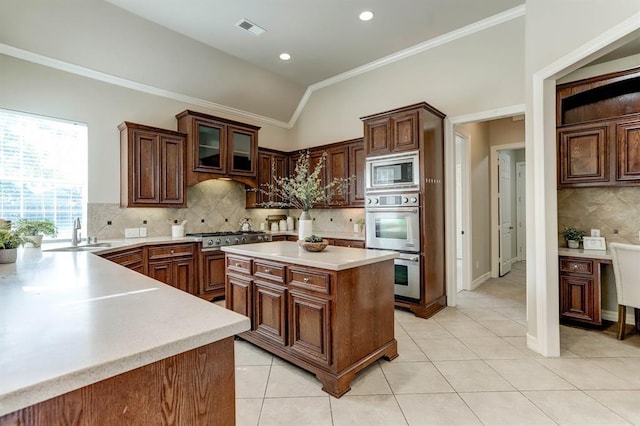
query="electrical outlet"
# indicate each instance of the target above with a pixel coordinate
(131, 232)
(595, 232)
(143, 232)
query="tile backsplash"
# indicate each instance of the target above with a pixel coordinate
(213, 205)
(607, 209)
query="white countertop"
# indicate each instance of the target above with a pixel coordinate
(591, 254)
(332, 258)
(69, 319)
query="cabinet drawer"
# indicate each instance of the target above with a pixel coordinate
(577, 266)
(170, 250)
(239, 264)
(349, 243)
(268, 270)
(309, 279)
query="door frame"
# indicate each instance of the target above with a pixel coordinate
(465, 177)
(521, 206)
(495, 229)
(450, 188)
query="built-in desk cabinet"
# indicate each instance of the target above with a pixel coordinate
(580, 289)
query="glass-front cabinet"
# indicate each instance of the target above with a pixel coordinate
(219, 148)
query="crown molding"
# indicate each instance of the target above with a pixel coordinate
(475, 27)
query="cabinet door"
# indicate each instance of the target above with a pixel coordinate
(212, 275)
(208, 146)
(628, 150)
(315, 157)
(242, 149)
(184, 275)
(406, 131)
(145, 173)
(270, 316)
(357, 161)
(337, 167)
(161, 271)
(577, 299)
(310, 328)
(377, 136)
(583, 155)
(172, 177)
(238, 296)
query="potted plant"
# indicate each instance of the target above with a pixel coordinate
(573, 236)
(303, 190)
(34, 229)
(10, 240)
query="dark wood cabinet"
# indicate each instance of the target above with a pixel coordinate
(583, 154)
(211, 269)
(337, 167)
(332, 323)
(173, 264)
(357, 163)
(271, 165)
(580, 290)
(218, 147)
(132, 258)
(152, 166)
(598, 131)
(418, 127)
(349, 243)
(393, 131)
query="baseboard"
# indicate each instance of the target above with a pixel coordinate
(480, 280)
(514, 260)
(532, 343)
(613, 316)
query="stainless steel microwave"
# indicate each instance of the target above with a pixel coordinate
(393, 172)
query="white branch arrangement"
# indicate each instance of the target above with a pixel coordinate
(304, 188)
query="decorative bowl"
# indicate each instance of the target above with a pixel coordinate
(313, 246)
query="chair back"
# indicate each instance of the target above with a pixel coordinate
(626, 268)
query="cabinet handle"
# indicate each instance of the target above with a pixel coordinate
(575, 266)
(172, 251)
(305, 279)
(267, 271)
(238, 265)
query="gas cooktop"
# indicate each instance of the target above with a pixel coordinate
(215, 240)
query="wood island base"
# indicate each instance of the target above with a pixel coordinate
(196, 387)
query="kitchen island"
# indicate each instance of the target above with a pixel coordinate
(86, 341)
(330, 313)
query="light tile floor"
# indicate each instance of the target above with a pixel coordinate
(465, 366)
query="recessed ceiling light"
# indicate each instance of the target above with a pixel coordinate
(367, 15)
(285, 56)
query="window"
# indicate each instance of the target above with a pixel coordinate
(43, 169)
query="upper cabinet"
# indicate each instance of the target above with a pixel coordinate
(393, 131)
(152, 165)
(598, 131)
(217, 147)
(272, 164)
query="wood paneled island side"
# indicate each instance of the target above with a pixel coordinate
(330, 313)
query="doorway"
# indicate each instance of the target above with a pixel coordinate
(463, 209)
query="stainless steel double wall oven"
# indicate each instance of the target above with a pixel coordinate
(392, 216)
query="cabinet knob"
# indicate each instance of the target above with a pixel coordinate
(267, 271)
(172, 251)
(238, 265)
(575, 266)
(305, 279)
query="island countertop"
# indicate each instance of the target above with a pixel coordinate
(332, 258)
(72, 319)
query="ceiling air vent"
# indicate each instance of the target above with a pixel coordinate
(247, 25)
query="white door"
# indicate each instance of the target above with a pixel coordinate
(459, 230)
(521, 226)
(504, 205)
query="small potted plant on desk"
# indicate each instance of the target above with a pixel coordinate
(573, 236)
(10, 240)
(34, 229)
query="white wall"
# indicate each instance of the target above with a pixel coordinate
(479, 72)
(40, 90)
(554, 29)
(103, 37)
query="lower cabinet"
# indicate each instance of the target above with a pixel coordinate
(132, 258)
(211, 268)
(173, 264)
(580, 290)
(332, 323)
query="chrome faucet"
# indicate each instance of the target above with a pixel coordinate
(75, 238)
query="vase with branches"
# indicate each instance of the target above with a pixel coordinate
(304, 189)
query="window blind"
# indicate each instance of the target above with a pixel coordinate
(43, 169)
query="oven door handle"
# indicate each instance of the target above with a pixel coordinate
(408, 259)
(396, 210)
